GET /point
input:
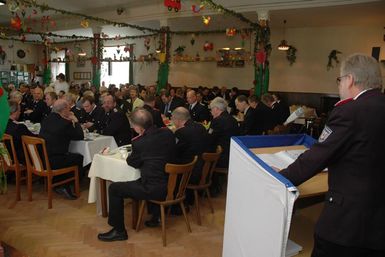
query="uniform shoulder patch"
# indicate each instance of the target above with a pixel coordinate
(326, 132)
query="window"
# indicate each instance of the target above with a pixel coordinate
(116, 71)
(58, 65)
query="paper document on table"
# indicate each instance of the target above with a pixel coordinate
(281, 159)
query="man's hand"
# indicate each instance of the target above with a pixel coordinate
(88, 125)
(73, 118)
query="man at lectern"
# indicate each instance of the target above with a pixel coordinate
(352, 147)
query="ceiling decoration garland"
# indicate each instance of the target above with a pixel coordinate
(208, 3)
(45, 7)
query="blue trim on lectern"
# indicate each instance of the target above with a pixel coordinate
(246, 142)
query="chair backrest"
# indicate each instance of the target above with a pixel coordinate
(178, 173)
(210, 160)
(32, 155)
(10, 158)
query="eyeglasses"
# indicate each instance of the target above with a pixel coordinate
(338, 79)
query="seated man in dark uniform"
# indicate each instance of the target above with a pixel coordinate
(17, 130)
(36, 112)
(115, 122)
(252, 124)
(71, 99)
(151, 150)
(149, 105)
(222, 128)
(169, 103)
(58, 129)
(92, 115)
(49, 99)
(191, 140)
(262, 111)
(198, 112)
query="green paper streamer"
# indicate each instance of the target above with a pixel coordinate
(162, 76)
(96, 79)
(4, 111)
(47, 76)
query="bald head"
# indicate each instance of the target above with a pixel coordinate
(141, 118)
(60, 106)
(180, 116)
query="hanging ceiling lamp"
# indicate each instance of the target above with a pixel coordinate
(283, 46)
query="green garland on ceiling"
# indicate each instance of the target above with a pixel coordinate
(45, 7)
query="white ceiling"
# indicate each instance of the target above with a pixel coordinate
(151, 13)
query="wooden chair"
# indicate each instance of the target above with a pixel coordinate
(14, 166)
(210, 161)
(177, 173)
(35, 165)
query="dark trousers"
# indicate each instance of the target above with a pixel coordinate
(66, 160)
(134, 190)
(324, 248)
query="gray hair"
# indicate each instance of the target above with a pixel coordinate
(13, 106)
(219, 103)
(181, 113)
(365, 70)
(59, 105)
(141, 117)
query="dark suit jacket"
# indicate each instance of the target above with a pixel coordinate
(39, 109)
(222, 128)
(117, 125)
(78, 113)
(150, 153)
(191, 140)
(58, 133)
(174, 103)
(96, 116)
(282, 111)
(16, 131)
(353, 152)
(264, 114)
(156, 116)
(251, 125)
(199, 113)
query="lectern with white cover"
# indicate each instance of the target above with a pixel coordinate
(259, 200)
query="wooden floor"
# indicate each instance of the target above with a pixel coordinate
(70, 229)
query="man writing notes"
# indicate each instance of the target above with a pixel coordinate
(151, 150)
(352, 147)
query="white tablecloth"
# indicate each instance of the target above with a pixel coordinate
(89, 148)
(111, 168)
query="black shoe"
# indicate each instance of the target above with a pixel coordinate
(113, 235)
(66, 192)
(152, 223)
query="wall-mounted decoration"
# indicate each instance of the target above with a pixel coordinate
(291, 55)
(230, 32)
(20, 53)
(208, 46)
(82, 75)
(231, 58)
(333, 56)
(80, 62)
